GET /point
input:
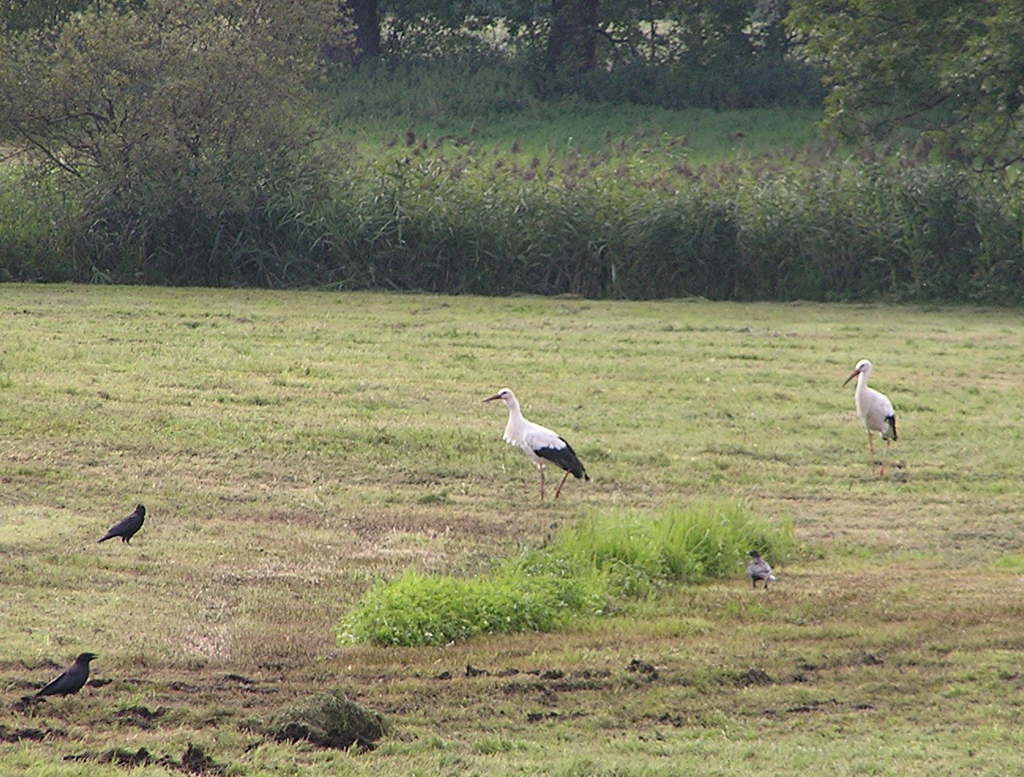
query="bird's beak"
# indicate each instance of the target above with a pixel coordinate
(853, 375)
(496, 396)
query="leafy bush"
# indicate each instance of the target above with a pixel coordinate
(179, 130)
(604, 555)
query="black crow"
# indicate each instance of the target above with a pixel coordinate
(758, 569)
(72, 680)
(126, 527)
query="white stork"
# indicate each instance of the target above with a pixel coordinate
(542, 445)
(874, 410)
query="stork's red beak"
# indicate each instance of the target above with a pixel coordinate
(853, 375)
(496, 396)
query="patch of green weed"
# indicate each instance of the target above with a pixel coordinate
(419, 609)
(605, 554)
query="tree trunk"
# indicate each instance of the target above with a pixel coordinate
(362, 17)
(572, 42)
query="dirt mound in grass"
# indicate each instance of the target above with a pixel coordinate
(33, 734)
(328, 719)
(193, 761)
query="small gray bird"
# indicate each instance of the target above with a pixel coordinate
(758, 569)
(126, 527)
(72, 680)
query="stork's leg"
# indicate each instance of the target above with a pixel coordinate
(541, 483)
(871, 452)
(885, 455)
(559, 490)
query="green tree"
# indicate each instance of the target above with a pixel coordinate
(19, 15)
(714, 32)
(989, 72)
(574, 44)
(572, 36)
(161, 119)
(947, 68)
(363, 18)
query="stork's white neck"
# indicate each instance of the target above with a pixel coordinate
(862, 380)
(513, 406)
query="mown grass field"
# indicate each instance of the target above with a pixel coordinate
(293, 447)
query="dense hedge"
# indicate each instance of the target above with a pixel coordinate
(604, 225)
(830, 231)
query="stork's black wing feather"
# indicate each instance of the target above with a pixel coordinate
(891, 420)
(565, 458)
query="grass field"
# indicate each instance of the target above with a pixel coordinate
(703, 136)
(294, 447)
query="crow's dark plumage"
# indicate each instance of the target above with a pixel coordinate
(758, 569)
(72, 680)
(126, 527)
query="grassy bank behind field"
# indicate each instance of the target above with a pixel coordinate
(704, 136)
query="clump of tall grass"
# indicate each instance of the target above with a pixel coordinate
(738, 85)
(641, 223)
(29, 237)
(587, 565)
(628, 219)
(484, 82)
(472, 86)
(638, 553)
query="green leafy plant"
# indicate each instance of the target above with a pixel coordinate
(421, 609)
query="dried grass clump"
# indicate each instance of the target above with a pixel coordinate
(328, 719)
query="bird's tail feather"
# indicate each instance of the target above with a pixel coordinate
(891, 420)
